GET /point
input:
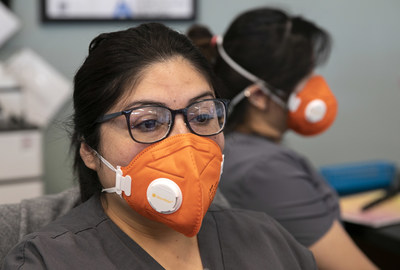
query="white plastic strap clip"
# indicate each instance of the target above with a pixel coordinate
(122, 183)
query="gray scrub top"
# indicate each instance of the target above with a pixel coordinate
(86, 238)
(264, 176)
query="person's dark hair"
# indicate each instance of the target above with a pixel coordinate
(275, 47)
(201, 36)
(114, 63)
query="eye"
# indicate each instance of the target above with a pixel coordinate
(202, 113)
(146, 125)
(203, 118)
(149, 119)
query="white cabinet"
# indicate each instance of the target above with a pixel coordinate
(21, 165)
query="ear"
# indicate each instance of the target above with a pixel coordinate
(88, 157)
(257, 97)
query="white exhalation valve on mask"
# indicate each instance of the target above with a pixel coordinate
(164, 195)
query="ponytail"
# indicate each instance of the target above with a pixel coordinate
(202, 38)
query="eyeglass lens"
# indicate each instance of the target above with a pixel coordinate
(153, 123)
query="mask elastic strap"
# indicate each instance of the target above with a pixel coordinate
(261, 83)
(222, 166)
(122, 183)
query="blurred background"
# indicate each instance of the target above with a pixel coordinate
(363, 72)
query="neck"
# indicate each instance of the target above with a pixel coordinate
(265, 124)
(131, 222)
(169, 248)
(268, 133)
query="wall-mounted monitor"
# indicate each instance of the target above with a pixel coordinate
(118, 10)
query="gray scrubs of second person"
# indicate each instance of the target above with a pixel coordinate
(265, 176)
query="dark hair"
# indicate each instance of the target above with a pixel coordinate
(114, 63)
(275, 47)
(201, 36)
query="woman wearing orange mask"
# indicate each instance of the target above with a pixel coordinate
(148, 154)
(266, 59)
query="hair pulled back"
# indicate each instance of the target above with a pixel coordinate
(278, 48)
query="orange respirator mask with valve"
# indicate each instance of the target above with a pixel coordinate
(311, 110)
(172, 181)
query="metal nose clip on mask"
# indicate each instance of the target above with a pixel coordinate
(172, 181)
(312, 109)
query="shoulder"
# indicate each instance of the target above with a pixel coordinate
(243, 221)
(31, 214)
(85, 216)
(254, 226)
(65, 237)
(257, 234)
(247, 147)
(20, 219)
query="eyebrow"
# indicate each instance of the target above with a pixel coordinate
(137, 103)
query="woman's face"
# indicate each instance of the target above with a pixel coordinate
(175, 84)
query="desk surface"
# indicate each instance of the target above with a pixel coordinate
(385, 213)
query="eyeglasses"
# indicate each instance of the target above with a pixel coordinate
(153, 123)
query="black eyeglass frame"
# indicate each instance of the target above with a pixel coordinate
(183, 111)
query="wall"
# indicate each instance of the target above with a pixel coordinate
(363, 71)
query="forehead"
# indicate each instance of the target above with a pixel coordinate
(174, 81)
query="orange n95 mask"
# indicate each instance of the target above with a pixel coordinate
(313, 109)
(172, 181)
